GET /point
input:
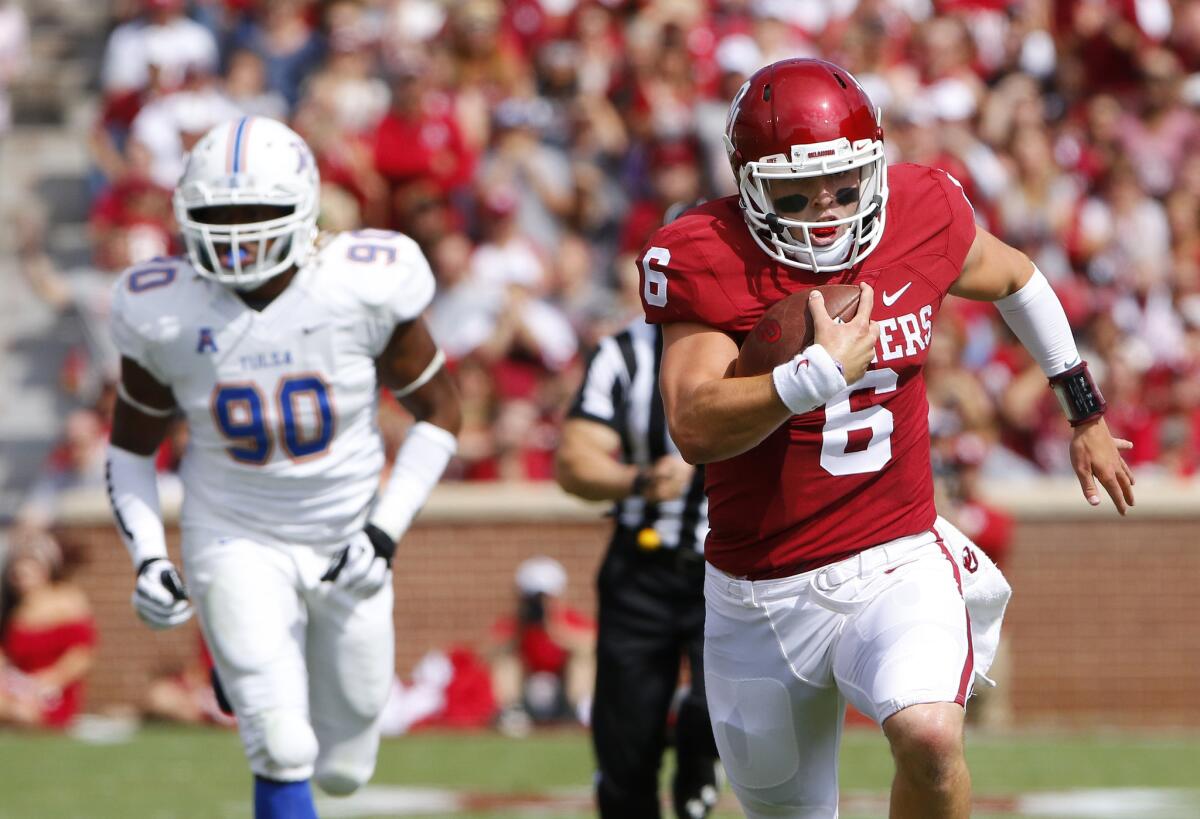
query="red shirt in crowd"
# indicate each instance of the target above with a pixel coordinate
(30, 650)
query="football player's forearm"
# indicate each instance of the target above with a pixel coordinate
(422, 459)
(725, 417)
(133, 496)
(1036, 317)
(592, 474)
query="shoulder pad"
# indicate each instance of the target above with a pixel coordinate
(678, 280)
(156, 291)
(381, 269)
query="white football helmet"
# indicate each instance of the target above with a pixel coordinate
(248, 161)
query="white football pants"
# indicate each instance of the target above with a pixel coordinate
(306, 666)
(883, 629)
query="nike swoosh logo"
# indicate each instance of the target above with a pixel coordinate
(801, 363)
(891, 298)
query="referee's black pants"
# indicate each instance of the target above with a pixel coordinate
(651, 614)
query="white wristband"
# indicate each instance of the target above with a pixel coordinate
(808, 380)
(422, 459)
(1036, 317)
(133, 494)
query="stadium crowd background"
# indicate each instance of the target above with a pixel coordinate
(531, 146)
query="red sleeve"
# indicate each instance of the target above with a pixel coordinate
(678, 282)
(960, 230)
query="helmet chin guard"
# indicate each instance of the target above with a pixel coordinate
(251, 161)
(799, 119)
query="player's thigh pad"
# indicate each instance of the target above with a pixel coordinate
(910, 641)
(777, 733)
(351, 667)
(985, 590)
(254, 621)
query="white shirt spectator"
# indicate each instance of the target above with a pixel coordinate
(466, 315)
(173, 47)
(167, 126)
(14, 55)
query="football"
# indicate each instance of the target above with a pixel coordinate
(785, 329)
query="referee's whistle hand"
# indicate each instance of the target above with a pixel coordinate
(668, 479)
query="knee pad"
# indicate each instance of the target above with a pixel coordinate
(342, 779)
(288, 739)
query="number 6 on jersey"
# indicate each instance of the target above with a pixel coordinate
(655, 288)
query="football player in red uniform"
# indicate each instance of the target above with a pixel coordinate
(828, 580)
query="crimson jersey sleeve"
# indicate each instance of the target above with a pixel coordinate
(960, 229)
(677, 280)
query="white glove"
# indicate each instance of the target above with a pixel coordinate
(160, 597)
(364, 564)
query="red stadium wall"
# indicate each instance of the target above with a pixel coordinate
(1104, 626)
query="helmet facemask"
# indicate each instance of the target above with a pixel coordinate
(790, 241)
(245, 254)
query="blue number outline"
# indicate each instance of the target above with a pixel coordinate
(137, 284)
(257, 446)
(250, 393)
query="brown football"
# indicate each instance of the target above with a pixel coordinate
(785, 329)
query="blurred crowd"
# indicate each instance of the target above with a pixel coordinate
(531, 146)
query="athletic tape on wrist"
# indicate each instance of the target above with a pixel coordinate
(808, 380)
(423, 457)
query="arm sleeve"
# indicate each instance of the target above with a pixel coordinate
(422, 459)
(602, 393)
(1036, 317)
(133, 494)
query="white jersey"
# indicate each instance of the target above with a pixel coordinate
(281, 404)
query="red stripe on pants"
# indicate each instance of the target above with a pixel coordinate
(964, 683)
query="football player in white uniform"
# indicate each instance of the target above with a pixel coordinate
(273, 344)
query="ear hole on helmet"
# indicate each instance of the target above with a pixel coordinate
(838, 77)
(767, 92)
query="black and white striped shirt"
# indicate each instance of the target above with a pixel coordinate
(620, 390)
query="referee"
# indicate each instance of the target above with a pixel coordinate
(615, 446)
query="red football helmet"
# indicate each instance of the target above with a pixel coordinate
(802, 118)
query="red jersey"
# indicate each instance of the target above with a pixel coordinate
(856, 472)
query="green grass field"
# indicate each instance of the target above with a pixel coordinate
(175, 773)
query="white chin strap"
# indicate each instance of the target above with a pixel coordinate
(836, 253)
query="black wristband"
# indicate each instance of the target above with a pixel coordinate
(1078, 395)
(145, 564)
(381, 541)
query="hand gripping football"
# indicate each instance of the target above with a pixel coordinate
(786, 328)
